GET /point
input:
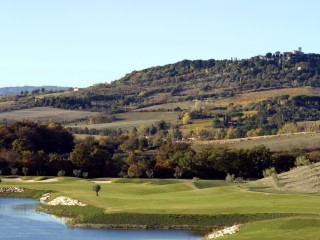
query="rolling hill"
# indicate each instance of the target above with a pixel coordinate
(17, 90)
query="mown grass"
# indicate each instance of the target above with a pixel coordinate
(165, 202)
(94, 215)
(279, 229)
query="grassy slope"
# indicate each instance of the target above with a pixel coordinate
(241, 99)
(276, 143)
(179, 197)
(45, 114)
(279, 229)
(134, 119)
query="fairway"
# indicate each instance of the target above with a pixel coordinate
(177, 196)
(204, 197)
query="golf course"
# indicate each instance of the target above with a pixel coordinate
(180, 203)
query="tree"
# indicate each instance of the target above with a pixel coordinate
(186, 118)
(149, 173)
(223, 159)
(61, 173)
(96, 188)
(231, 133)
(81, 154)
(230, 178)
(25, 171)
(77, 172)
(14, 171)
(217, 123)
(85, 174)
(177, 172)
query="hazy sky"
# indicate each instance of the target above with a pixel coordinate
(82, 42)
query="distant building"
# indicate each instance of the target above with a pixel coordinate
(292, 54)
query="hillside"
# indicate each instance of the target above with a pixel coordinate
(212, 99)
(303, 179)
(187, 80)
(17, 90)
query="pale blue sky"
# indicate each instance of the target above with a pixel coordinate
(83, 42)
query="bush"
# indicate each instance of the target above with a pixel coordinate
(302, 161)
(25, 171)
(96, 188)
(77, 172)
(230, 178)
(61, 173)
(14, 171)
(269, 172)
(238, 180)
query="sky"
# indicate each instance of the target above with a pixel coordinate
(78, 43)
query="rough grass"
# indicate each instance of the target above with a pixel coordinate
(241, 99)
(276, 143)
(303, 179)
(45, 114)
(196, 126)
(255, 97)
(134, 119)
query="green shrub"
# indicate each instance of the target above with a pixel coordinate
(96, 188)
(269, 172)
(302, 161)
(61, 173)
(230, 178)
(77, 172)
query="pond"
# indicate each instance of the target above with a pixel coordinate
(19, 221)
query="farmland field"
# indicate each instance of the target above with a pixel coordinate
(133, 119)
(255, 97)
(276, 143)
(241, 99)
(45, 114)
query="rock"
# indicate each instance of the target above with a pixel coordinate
(223, 232)
(11, 189)
(45, 197)
(65, 201)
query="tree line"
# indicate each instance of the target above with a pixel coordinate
(49, 149)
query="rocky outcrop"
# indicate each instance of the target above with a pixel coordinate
(45, 197)
(65, 201)
(11, 189)
(223, 232)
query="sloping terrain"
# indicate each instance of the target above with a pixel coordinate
(304, 179)
(276, 143)
(45, 114)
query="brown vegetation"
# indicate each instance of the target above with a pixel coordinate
(276, 143)
(304, 179)
(45, 114)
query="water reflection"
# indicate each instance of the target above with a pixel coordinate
(19, 221)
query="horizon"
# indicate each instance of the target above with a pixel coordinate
(79, 44)
(52, 85)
